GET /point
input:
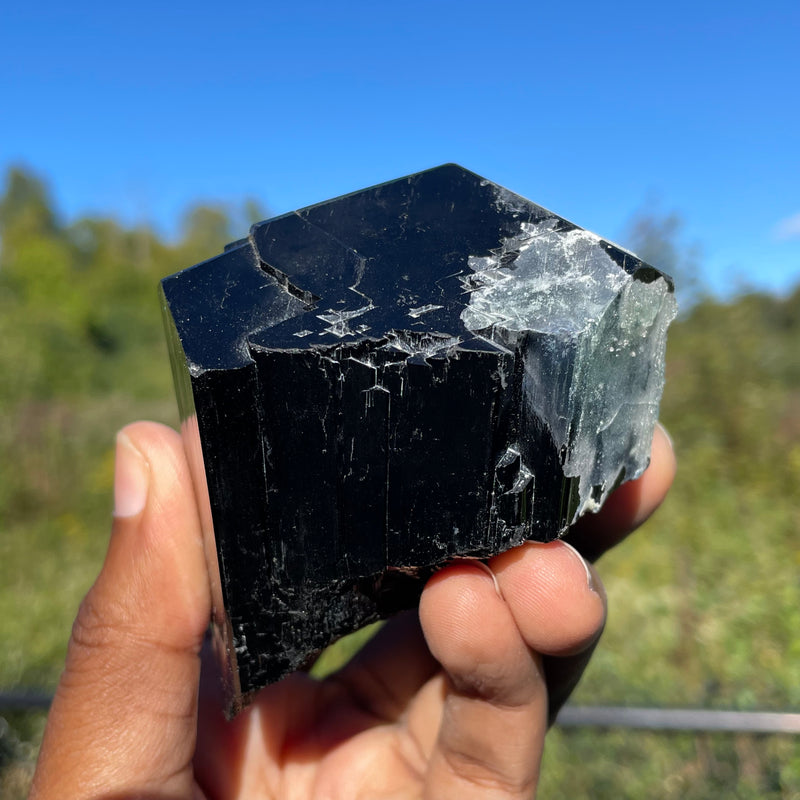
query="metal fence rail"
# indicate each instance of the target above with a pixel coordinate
(32, 700)
(654, 719)
(678, 719)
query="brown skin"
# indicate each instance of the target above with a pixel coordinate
(424, 711)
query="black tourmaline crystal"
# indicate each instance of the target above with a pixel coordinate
(430, 368)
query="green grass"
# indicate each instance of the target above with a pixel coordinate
(631, 764)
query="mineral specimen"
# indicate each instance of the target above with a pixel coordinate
(430, 368)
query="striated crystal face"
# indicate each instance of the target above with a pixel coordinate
(430, 368)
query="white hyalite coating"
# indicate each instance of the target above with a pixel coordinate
(594, 350)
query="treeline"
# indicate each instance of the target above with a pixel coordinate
(732, 398)
(78, 301)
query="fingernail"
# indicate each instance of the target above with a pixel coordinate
(486, 568)
(666, 434)
(476, 562)
(131, 479)
(589, 575)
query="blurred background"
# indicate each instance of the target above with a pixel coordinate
(137, 140)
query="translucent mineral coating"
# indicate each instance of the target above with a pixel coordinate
(430, 368)
(587, 319)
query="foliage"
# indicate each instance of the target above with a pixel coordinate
(705, 600)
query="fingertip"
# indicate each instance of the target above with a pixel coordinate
(471, 633)
(554, 596)
(156, 559)
(454, 603)
(632, 504)
(636, 501)
(159, 445)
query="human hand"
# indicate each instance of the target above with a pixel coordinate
(450, 702)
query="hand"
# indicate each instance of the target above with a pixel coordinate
(450, 702)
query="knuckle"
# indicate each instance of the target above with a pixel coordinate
(97, 626)
(478, 771)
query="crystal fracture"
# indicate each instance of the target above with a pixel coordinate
(429, 368)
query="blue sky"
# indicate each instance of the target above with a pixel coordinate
(590, 109)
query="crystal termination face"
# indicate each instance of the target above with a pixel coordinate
(429, 368)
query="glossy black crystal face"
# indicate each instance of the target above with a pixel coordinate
(430, 368)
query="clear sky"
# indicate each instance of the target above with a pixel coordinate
(590, 109)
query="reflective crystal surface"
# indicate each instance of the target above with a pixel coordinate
(430, 368)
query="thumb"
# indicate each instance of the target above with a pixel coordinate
(123, 721)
